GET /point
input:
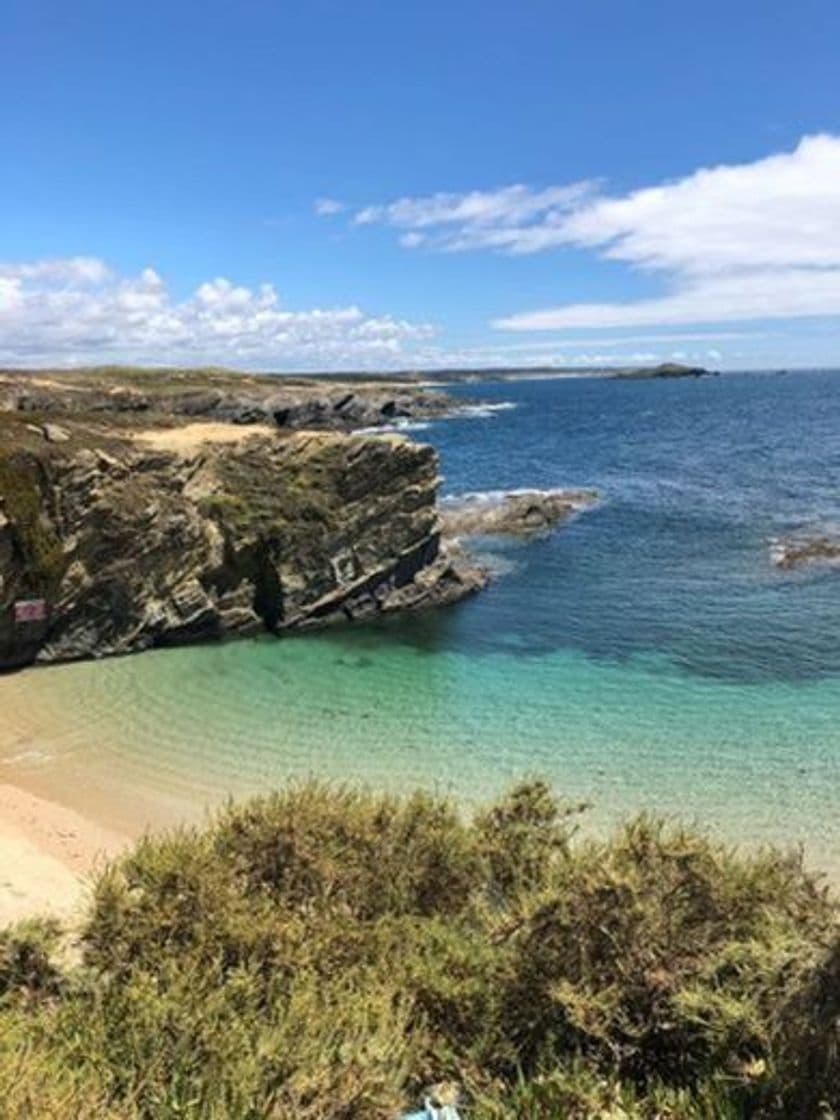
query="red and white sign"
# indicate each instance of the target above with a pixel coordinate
(30, 610)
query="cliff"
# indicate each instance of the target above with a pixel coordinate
(115, 537)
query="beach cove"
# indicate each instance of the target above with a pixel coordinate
(647, 655)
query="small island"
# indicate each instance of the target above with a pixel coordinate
(664, 370)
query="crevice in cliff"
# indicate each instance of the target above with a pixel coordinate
(268, 591)
(251, 566)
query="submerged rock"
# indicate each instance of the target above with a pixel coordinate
(799, 552)
(515, 513)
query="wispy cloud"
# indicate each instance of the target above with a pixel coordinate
(757, 240)
(477, 219)
(324, 207)
(80, 310)
(739, 295)
(658, 339)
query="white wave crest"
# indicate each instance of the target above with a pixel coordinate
(480, 411)
(497, 497)
(397, 426)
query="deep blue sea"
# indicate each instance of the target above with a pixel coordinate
(648, 654)
(698, 477)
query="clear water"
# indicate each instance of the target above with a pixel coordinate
(648, 654)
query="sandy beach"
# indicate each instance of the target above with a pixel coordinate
(47, 853)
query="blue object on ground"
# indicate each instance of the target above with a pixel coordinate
(432, 1112)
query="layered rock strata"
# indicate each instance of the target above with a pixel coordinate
(110, 544)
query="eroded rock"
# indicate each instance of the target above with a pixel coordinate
(800, 552)
(513, 513)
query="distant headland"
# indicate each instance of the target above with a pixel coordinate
(664, 370)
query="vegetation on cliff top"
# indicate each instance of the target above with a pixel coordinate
(23, 503)
(327, 953)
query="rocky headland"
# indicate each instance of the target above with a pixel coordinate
(663, 370)
(110, 542)
(524, 373)
(147, 508)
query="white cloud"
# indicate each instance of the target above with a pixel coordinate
(779, 212)
(739, 295)
(69, 270)
(78, 310)
(412, 239)
(735, 242)
(530, 347)
(477, 219)
(327, 206)
(748, 241)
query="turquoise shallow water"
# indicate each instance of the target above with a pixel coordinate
(649, 655)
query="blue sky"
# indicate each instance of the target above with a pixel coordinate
(326, 185)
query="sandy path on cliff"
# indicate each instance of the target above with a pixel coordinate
(192, 436)
(47, 852)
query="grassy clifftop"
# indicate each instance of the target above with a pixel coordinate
(324, 953)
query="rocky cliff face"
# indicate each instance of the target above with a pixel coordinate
(124, 544)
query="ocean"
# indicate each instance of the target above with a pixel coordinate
(646, 655)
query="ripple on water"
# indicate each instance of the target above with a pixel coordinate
(761, 761)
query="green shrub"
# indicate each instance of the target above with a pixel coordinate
(27, 968)
(331, 953)
(22, 500)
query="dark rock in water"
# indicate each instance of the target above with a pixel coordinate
(516, 513)
(805, 551)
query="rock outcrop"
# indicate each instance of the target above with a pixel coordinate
(520, 513)
(109, 544)
(800, 552)
(287, 402)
